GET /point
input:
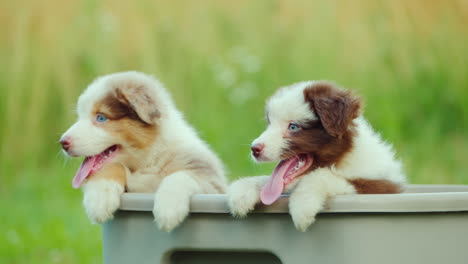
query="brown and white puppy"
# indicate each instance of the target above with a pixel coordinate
(133, 138)
(324, 147)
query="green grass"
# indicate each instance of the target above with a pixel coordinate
(220, 61)
(43, 221)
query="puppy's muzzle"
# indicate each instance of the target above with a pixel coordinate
(257, 150)
(66, 143)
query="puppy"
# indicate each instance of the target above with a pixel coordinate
(133, 138)
(324, 146)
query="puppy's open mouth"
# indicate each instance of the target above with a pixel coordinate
(93, 164)
(284, 173)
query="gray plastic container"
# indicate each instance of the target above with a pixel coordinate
(426, 224)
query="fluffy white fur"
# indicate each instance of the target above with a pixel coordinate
(370, 158)
(101, 199)
(176, 143)
(282, 108)
(170, 210)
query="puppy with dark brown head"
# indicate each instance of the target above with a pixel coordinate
(324, 147)
(133, 138)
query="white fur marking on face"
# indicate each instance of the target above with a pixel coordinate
(87, 139)
(288, 104)
(285, 106)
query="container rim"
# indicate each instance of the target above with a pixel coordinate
(416, 198)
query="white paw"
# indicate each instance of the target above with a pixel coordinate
(101, 199)
(303, 212)
(243, 195)
(170, 210)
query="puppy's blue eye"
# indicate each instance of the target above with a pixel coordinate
(293, 127)
(101, 118)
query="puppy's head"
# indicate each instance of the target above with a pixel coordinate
(310, 125)
(117, 116)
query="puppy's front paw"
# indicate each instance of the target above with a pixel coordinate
(243, 195)
(303, 211)
(170, 210)
(102, 199)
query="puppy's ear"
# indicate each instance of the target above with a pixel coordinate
(336, 108)
(138, 98)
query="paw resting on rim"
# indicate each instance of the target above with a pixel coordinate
(169, 210)
(244, 194)
(303, 214)
(172, 200)
(102, 199)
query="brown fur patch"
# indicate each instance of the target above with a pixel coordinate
(336, 108)
(328, 139)
(138, 99)
(133, 133)
(111, 171)
(114, 108)
(366, 186)
(325, 149)
(125, 123)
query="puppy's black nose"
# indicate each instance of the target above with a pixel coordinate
(66, 143)
(257, 149)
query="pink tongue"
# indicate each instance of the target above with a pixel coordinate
(83, 171)
(273, 189)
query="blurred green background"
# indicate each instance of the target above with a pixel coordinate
(220, 60)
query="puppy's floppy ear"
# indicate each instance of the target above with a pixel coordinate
(336, 108)
(138, 98)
